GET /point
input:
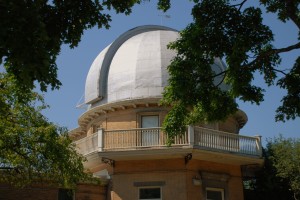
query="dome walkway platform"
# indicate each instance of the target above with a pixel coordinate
(117, 144)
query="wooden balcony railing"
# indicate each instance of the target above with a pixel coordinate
(136, 138)
(223, 141)
(197, 137)
(88, 144)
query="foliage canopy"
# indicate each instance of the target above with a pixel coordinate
(32, 33)
(280, 177)
(31, 148)
(285, 155)
(235, 33)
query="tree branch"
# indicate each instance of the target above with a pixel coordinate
(7, 168)
(221, 73)
(286, 49)
(223, 78)
(261, 56)
(291, 12)
(273, 51)
(280, 71)
(240, 4)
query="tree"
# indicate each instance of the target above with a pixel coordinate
(31, 148)
(236, 34)
(285, 155)
(280, 177)
(32, 33)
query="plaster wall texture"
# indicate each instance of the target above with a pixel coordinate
(176, 177)
(131, 118)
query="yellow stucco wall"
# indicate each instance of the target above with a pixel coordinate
(131, 118)
(177, 178)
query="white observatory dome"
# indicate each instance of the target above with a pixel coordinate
(133, 67)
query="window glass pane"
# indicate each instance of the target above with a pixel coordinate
(150, 121)
(214, 194)
(150, 137)
(65, 194)
(149, 193)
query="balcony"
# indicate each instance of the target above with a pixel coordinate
(154, 138)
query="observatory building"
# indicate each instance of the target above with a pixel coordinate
(120, 132)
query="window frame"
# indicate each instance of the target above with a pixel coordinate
(65, 194)
(140, 115)
(145, 140)
(222, 190)
(150, 115)
(150, 187)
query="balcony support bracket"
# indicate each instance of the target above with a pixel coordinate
(108, 161)
(187, 158)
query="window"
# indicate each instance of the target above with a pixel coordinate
(65, 194)
(152, 193)
(150, 121)
(214, 194)
(150, 137)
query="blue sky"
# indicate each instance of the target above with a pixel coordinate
(74, 64)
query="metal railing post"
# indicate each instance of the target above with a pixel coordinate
(191, 135)
(100, 139)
